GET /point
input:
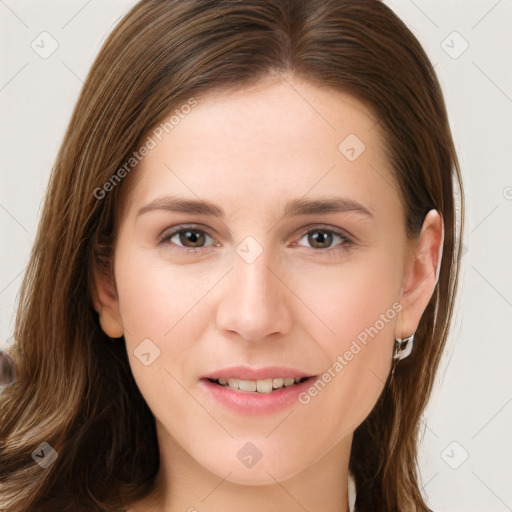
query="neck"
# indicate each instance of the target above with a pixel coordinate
(183, 485)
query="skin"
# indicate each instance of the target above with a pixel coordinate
(250, 152)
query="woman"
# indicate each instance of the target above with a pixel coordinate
(245, 269)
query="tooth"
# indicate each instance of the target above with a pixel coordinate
(261, 386)
(233, 383)
(247, 385)
(277, 383)
(264, 386)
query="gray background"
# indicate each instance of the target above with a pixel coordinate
(466, 452)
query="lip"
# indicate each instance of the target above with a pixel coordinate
(252, 403)
(247, 373)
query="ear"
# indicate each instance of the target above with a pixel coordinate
(105, 301)
(421, 274)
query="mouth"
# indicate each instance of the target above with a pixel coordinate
(251, 391)
(264, 386)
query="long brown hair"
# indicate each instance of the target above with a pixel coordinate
(75, 389)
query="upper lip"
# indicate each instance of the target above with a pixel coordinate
(248, 373)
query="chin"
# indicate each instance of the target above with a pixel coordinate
(251, 467)
(257, 477)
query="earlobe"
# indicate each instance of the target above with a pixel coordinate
(110, 326)
(106, 303)
(421, 274)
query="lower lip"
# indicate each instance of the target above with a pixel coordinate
(253, 403)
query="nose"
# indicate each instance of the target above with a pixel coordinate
(254, 301)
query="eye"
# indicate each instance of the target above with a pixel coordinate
(192, 239)
(321, 238)
(186, 238)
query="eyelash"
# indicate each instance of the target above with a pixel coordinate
(346, 241)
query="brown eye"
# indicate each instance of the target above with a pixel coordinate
(324, 239)
(320, 239)
(187, 238)
(191, 238)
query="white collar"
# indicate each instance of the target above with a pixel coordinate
(351, 493)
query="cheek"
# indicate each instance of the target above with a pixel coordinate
(155, 297)
(350, 298)
(358, 302)
(164, 304)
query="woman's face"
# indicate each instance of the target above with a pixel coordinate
(263, 240)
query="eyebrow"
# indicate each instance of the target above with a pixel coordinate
(296, 207)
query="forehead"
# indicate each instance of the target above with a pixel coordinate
(260, 145)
